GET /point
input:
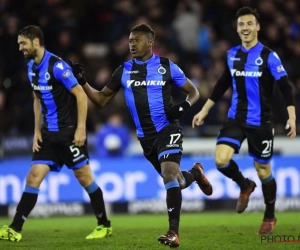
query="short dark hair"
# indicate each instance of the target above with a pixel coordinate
(247, 11)
(32, 32)
(143, 27)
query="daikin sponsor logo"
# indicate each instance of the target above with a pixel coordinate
(145, 83)
(235, 72)
(35, 87)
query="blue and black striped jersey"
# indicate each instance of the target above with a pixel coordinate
(147, 89)
(52, 81)
(252, 74)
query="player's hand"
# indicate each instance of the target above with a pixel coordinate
(198, 119)
(36, 139)
(79, 137)
(78, 72)
(178, 110)
(291, 124)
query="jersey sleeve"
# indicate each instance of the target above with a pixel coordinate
(115, 82)
(222, 84)
(275, 66)
(177, 75)
(29, 71)
(63, 73)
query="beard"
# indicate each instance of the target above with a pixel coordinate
(31, 54)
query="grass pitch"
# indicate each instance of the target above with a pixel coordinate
(207, 231)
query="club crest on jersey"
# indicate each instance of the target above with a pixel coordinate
(259, 61)
(47, 76)
(161, 70)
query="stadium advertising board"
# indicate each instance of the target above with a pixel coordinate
(134, 179)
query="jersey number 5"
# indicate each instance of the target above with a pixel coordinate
(75, 151)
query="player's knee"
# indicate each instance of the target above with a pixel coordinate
(262, 174)
(223, 155)
(181, 183)
(83, 177)
(34, 179)
(168, 176)
(221, 160)
(181, 180)
(170, 171)
(263, 170)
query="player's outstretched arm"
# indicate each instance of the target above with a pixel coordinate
(220, 88)
(287, 93)
(198, 119)
(291, 122)
(99, 98)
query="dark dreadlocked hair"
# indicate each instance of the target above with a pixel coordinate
(143, 27)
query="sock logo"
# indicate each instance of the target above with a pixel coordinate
(170, 209)
(99, 215)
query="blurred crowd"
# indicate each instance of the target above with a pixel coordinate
(195, 34)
